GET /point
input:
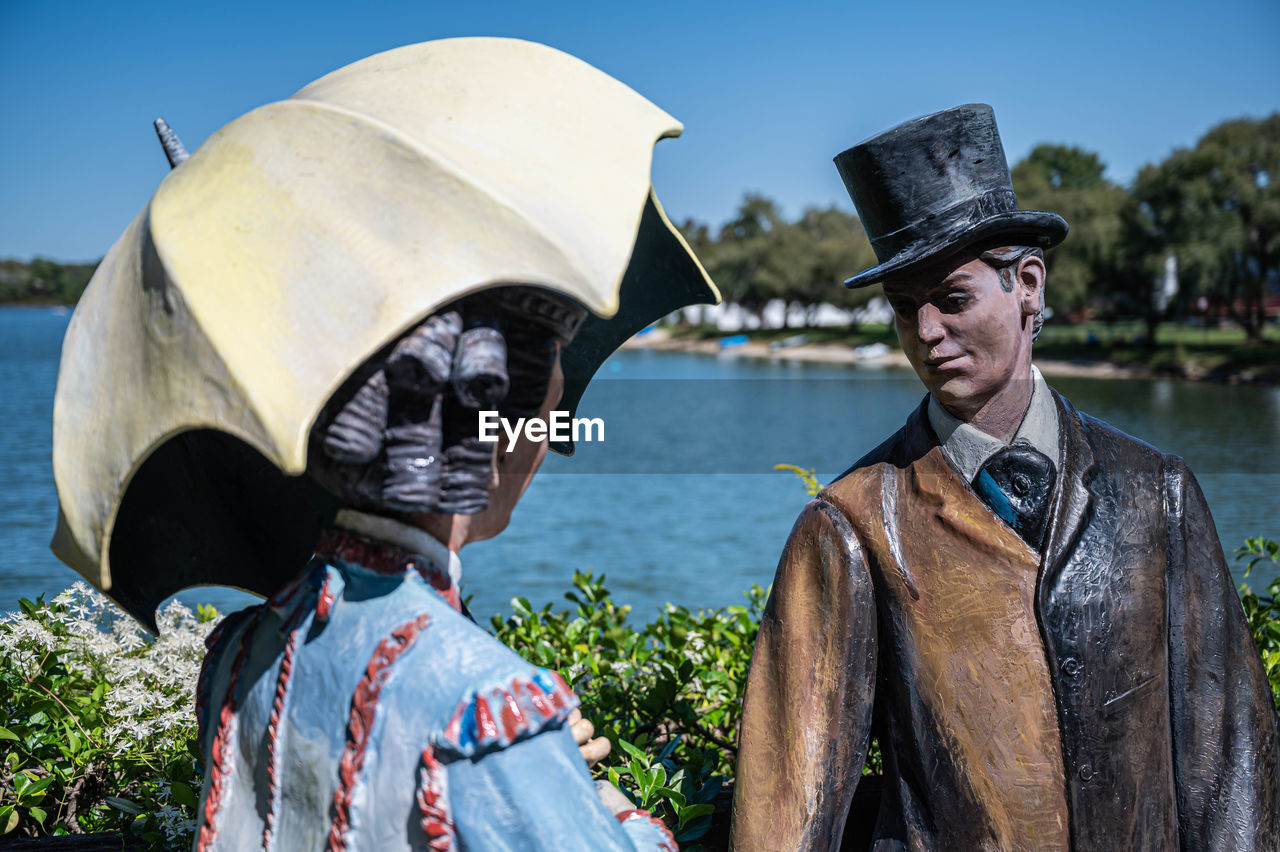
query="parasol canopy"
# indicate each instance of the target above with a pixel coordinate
(298, 241)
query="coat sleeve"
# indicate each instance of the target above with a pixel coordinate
(537, 795)
(1226, 751)
(806, 719)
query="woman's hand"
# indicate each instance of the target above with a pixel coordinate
(593, 750)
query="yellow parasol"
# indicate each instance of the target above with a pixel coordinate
(300, 239)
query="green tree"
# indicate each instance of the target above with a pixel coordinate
(1070, 181)
(43, 281)
(758, 256)
(750, 261)
(835, 247)
(1216, 208)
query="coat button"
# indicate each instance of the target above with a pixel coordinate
(1085, 772)
(1071, 666)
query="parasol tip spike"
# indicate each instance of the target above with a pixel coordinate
(173, 147)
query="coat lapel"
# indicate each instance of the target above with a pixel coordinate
(1072, 500)
(918, 436)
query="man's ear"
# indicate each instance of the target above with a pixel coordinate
(1030, 277)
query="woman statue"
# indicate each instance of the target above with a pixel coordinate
(275, 381)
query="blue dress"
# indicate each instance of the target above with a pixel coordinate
(358, 709)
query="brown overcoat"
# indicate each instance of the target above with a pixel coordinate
(1105, 694)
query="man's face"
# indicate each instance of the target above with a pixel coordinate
(964, 334)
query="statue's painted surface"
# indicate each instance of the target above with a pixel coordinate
(359, 709)
(275, 380)
(1028, 608)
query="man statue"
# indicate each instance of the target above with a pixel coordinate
(1028, 609)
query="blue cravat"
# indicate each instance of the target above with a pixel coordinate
(1016, 483)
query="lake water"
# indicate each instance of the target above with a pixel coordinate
(680, 502)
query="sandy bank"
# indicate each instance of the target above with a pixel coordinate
(840, 353)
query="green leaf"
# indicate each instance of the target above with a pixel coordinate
(634, 752)
(676, 797)
(39, 785)
(711, 789)
(691, 812)
(38, 813)
(123, 805)
(695, 829)
(9, 821)
(657, 776)
(6, 734)
(183, 794)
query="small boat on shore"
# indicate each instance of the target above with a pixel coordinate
(789, 342)
(871, 351)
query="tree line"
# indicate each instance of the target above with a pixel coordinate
(43, 281)
(1213, 208)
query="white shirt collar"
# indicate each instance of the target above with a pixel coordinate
(402, 536)
(968, 447)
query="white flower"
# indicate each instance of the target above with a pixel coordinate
(151, 682)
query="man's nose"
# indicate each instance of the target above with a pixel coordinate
(929, 326)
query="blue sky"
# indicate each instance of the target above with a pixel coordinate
(768, 92)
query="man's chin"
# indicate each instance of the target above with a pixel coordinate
(954, 392)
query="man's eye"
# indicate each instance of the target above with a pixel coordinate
(954, 302)
(903, 309)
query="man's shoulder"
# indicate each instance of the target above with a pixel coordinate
(865, 473)
(1110, 444)
(910, 440)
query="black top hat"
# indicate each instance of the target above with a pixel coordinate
(935, 185)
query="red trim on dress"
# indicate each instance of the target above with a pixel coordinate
(364, 707)
(381, 558)
(221, 754)
(202, 682)
(497, 716)
(325, 601)
(668, 842)
(513, 719)
(433, 802)
(273, 727)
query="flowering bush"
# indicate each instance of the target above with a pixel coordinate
(99, 727)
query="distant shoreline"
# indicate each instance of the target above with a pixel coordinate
(828, 352)
(841, 353)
